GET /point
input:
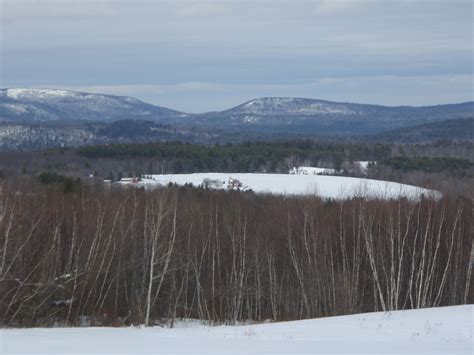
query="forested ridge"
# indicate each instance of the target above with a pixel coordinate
(273, 150)
(276, 156)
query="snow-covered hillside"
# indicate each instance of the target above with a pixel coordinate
(15, 137)
(54, 104)
(324, 186)
(445, 330)
(295, 106)
(275, 111)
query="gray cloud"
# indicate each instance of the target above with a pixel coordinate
(260, 46)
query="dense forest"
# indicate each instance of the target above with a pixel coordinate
(118, 257)
(431, 165)
(461, 130)
(242, 157)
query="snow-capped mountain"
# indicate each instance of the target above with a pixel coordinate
(299, 115)
(277, 106)
(283, 116)
(53, 104)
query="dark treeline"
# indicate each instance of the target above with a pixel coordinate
(430, 165)
(129, 256)
(443, 148)
(242, 157)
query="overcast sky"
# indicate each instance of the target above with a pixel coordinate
(204, 55)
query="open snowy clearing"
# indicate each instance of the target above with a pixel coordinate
(336, 187)
(445, 330)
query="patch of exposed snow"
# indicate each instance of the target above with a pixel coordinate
(309, 170)
(60, 303)
(132, 100)
(16, 108)
(364, 165)
(38, 93)
(250, 119)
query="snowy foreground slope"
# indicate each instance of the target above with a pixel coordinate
(322, 185)
(445, 330)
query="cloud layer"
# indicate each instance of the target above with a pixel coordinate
(203, 55)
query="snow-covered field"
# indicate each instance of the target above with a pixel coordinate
(324, 186)
(445, 330)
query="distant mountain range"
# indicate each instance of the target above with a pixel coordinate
(38, 118)
(455, 129)
(319, 117)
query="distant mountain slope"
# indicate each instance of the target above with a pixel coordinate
(265, 117)
(326, 117)
(455, 129)
(51, 105)
(50, 134)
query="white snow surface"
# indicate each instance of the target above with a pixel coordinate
(335, 187)
(446, 330)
